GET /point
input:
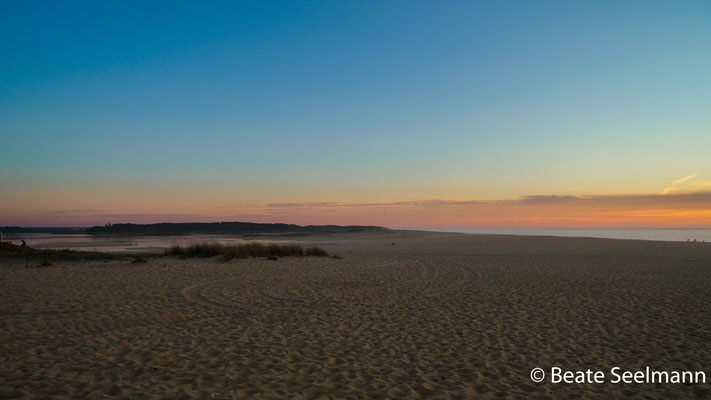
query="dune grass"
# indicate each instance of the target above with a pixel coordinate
(245, 250)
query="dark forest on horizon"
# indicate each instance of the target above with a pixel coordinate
(169, 228)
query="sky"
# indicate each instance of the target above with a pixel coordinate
(391, 113)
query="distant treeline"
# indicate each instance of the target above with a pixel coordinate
(238, 228)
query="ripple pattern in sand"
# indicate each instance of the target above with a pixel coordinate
(381, 326)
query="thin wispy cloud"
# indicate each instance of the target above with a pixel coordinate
(680, 181)
(78, 211)
(426, 203)
(680, 208)
(684, 179)
(685, 197)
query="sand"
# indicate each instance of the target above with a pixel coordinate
(401, 315)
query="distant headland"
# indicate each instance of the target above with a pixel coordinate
(168, 228)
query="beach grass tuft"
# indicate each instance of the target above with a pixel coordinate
(245, 250)
(139, 260)
(316, 252)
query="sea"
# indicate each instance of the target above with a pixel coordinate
(662, 234)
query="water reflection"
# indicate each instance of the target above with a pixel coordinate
(119, 243)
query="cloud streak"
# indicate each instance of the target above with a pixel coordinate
(680, 198)
(681, 181)
(645, 209)
(684, 179)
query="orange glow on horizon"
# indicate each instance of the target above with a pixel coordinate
(691, 209)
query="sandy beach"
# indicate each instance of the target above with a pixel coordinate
(401, 315)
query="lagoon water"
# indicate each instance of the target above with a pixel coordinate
(118, 243)
(115, 243)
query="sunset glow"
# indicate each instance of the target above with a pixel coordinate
(479, 115)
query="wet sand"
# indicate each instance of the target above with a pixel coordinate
(401, 315)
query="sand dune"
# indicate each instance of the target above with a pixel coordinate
(402, 315)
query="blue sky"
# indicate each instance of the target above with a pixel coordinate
(354, 101)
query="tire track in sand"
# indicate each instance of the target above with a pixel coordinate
(196, 294)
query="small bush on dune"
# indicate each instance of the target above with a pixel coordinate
(139, 260)
(244, 250)
(316, 252)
